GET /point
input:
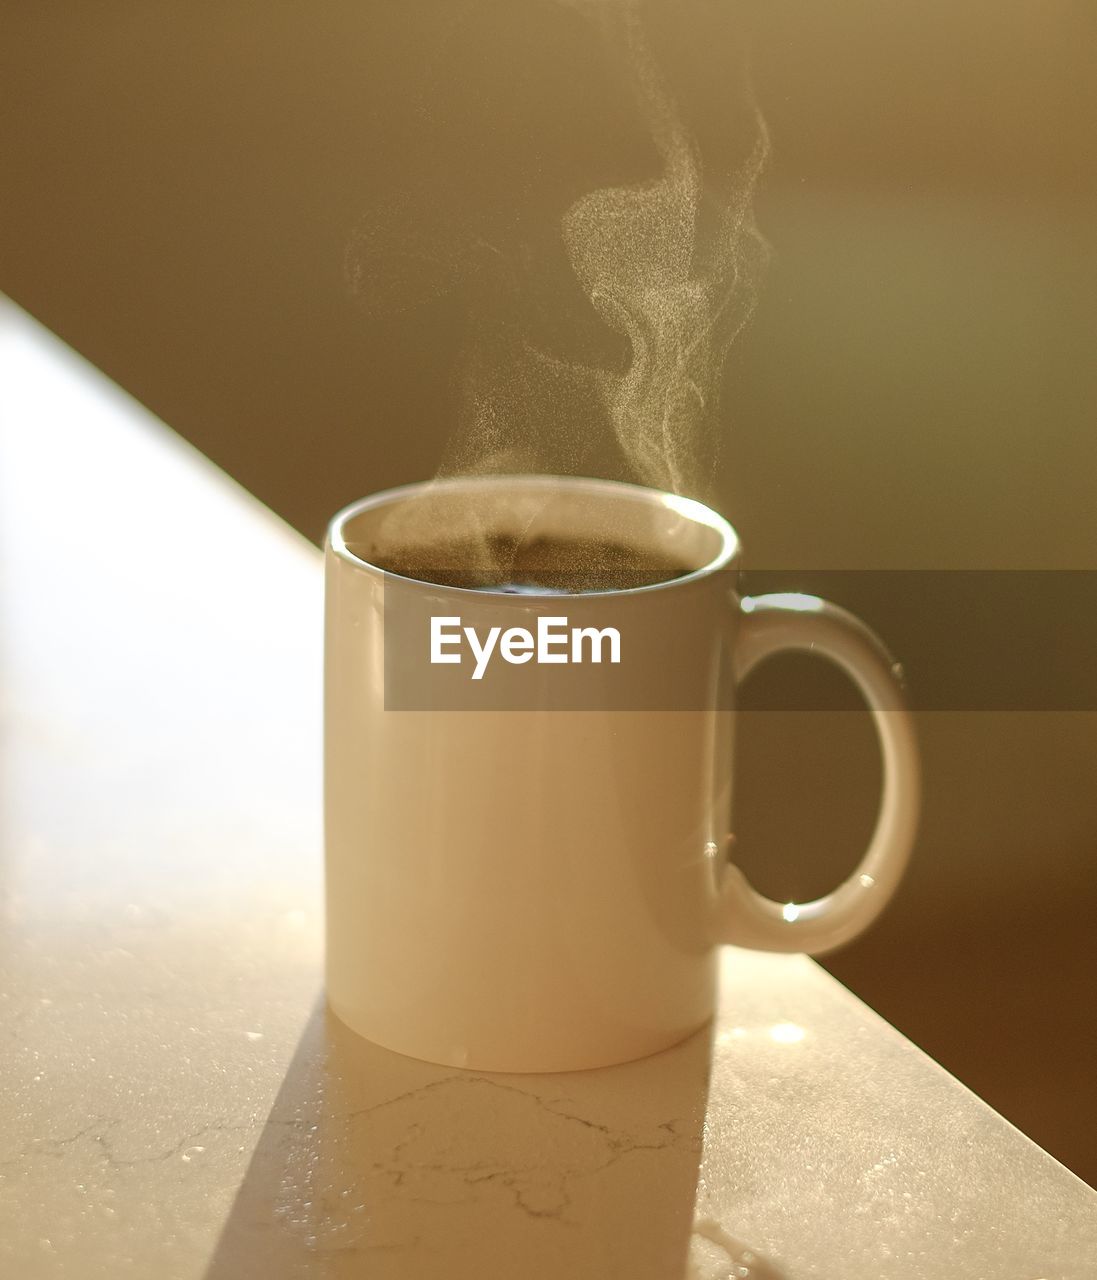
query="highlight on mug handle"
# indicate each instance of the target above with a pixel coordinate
(771, 624)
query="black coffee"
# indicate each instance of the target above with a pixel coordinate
(535, 566)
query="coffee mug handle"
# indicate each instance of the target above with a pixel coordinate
(771, 624)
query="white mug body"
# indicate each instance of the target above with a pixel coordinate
(532, 884)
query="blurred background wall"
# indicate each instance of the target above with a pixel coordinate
(917, 389)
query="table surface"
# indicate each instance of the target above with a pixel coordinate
(176, 1102)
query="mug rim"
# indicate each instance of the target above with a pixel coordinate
(688, 508)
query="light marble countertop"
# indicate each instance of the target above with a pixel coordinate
(175, 1101)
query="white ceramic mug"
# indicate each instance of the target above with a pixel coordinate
(544, 888)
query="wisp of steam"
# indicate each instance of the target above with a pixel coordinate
(670, 268)
(673, 265)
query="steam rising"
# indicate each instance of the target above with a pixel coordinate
(653, 279)
(674, 268)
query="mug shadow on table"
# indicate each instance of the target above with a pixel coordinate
(374, 1163)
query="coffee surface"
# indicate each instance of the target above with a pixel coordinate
(540, 565)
